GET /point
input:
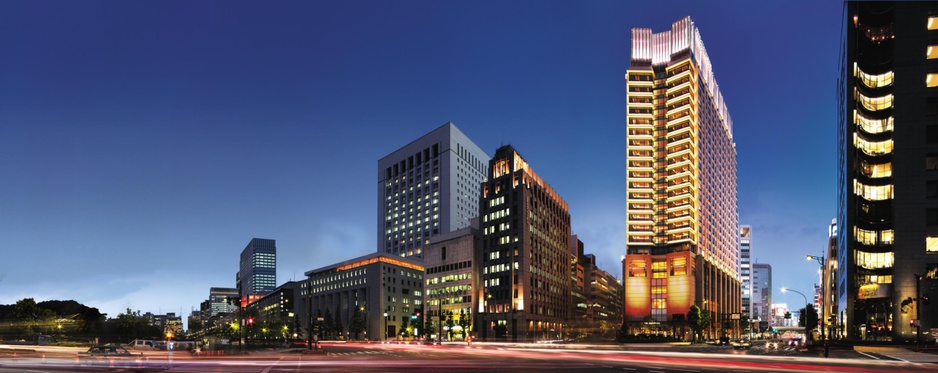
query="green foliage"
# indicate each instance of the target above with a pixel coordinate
(357, 324)
(808, 318)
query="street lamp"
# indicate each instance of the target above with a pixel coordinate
(385, 327)
(805, 304)
(820, 261)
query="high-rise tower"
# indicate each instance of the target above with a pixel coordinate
(745, 267)
(887, 218)
(525, 265)
(681, 223)
(428, 187)
(258, 274)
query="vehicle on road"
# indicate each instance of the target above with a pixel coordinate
(795, 342)
(109, 356)
(741, 344)
(724, 341)
(771, 344)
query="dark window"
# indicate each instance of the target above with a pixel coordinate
(931, 216)
(931, 134)
(931, 106)
(931, 189)
(931, 161)
(443, 251)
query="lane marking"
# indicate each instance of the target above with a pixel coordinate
(867, 355)
(624, 368)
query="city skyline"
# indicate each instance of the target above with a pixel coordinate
(144, 145)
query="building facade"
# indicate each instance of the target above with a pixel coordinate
(829, 277)
(258, 275)
(682, 220)
(218, 301)
(525, 264)
(605, 298)
(745, 267)
(276, 312)
(761, 297)
(450, 261)
(384, 288)
(428, 187)
(887, 170)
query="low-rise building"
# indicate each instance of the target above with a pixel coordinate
(450, 261)
(386, 290)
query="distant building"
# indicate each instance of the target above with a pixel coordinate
(258, 275)
(277, 308)
(525, 264)
(745, 267)
(376, 285)
(605, 297)
(429, 186)
(219, 301)
(887, 254)
(681, 216)
(828, 304)
(761, 299)
(579, 289)
(166, 323)
(451, 261)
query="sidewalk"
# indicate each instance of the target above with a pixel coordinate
(898, 353)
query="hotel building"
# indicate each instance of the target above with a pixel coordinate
(761, 297)
(428, 187)
(525, 264)
(682, 222)
(887, 237)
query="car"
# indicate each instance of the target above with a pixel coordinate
(741, 343)
(724, 341)
(110, 356)
(795, 342)
(771, 345)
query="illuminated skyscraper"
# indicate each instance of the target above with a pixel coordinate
(681, 220)
(745, 267)
(258, 274)
(428, 187)
(887, 218)
(525, 265)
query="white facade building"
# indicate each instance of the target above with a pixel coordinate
(428, 187)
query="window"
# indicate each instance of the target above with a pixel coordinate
(932, 52)
(931, 134)
(931, 80)
(931, 161)
(933, 23)
(931, 245)
(931, 106)
(931, 189)
(931, 217)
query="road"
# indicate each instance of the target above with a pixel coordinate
(454, 358)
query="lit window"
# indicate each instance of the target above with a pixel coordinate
(933, 23)
(876, 103)
(876, 170)
(932, 52)
(873, 126)
(873, 81)
(873, 148)
(873, 192)
(874, 260)
(931, 245)
(931, 80)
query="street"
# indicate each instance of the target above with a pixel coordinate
(482, 358)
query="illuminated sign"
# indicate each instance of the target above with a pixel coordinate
(870, 291)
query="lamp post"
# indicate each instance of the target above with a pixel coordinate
(820, 261)
(805, 306)
(385, 327)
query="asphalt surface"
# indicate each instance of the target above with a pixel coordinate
(478, 358)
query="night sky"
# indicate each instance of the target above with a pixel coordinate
(144, 143)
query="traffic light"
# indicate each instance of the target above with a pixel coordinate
(418, 314)
(413, 316)
(250, 321)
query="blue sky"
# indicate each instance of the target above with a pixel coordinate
(143, 144)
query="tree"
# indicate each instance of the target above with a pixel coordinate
(328, 324)
(808, 318)
(405, 323)
(357, 325)
(694, 318)
(31, 316)
(339, 328)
